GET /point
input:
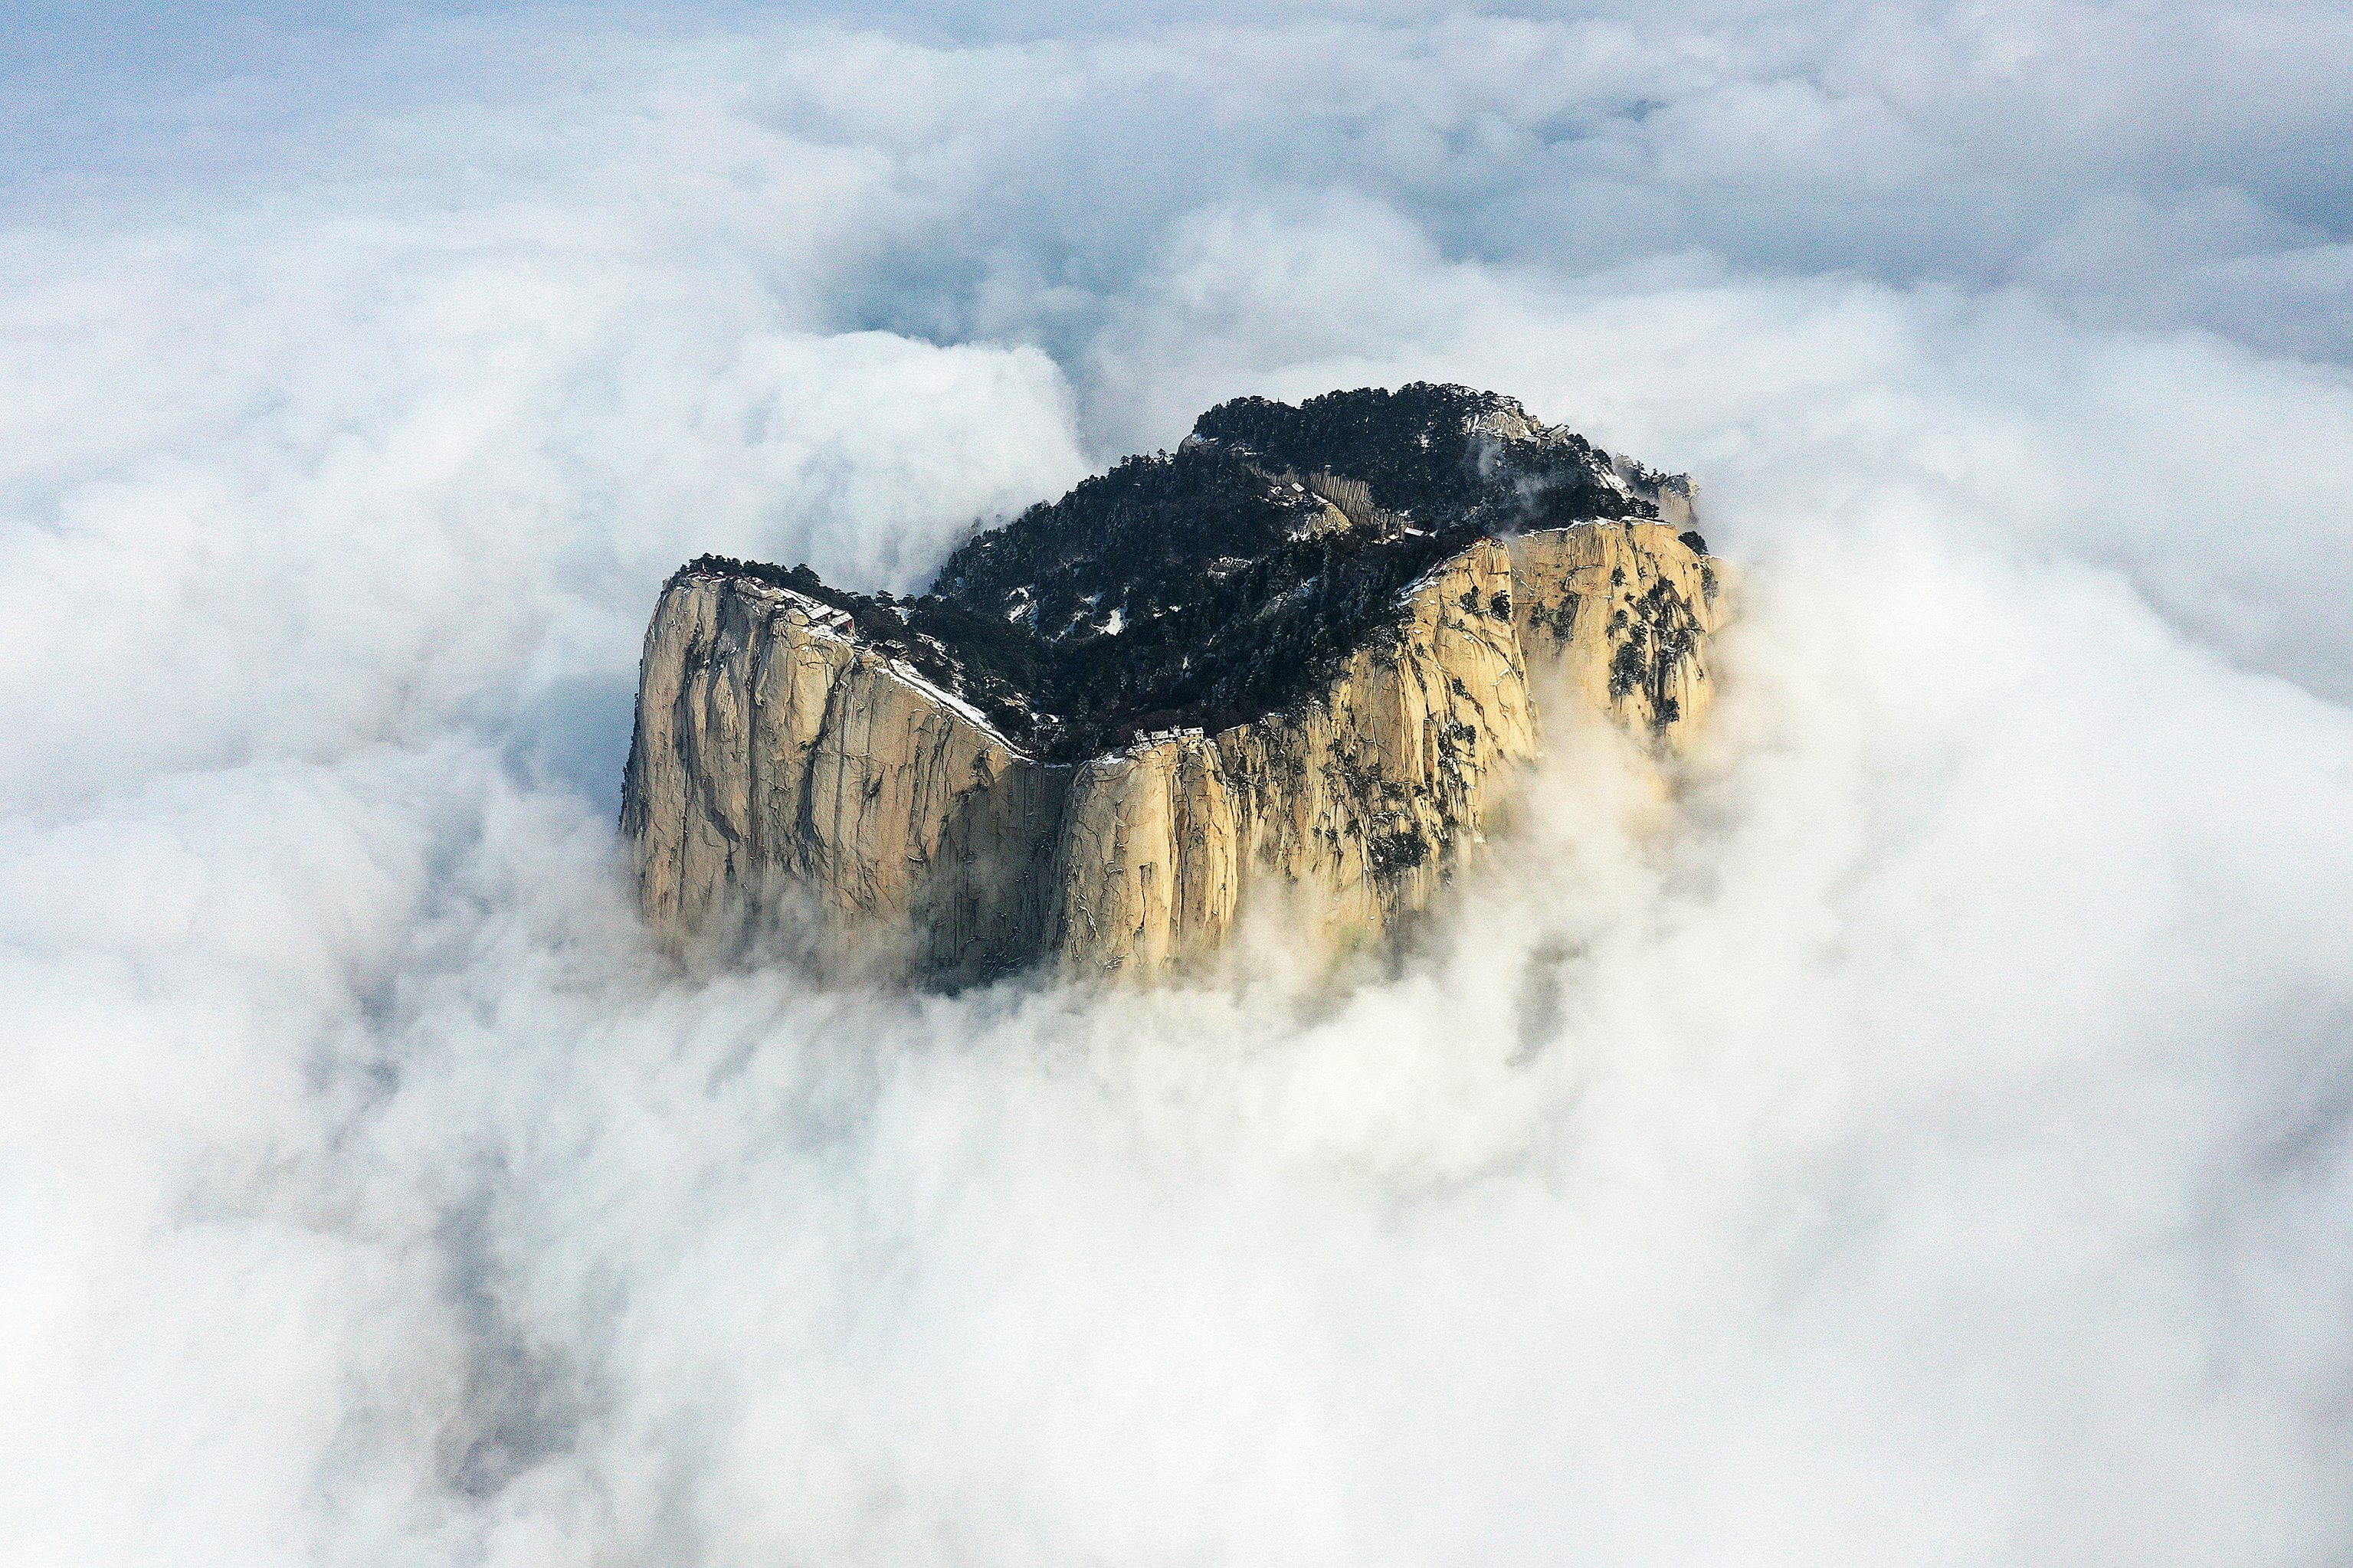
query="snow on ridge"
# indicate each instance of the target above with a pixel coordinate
(835, 624)
(820, 616)
(1436, 569)
(960, 706)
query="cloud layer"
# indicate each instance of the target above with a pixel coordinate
(1926, 1143)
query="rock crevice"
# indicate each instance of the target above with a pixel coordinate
(878, 773)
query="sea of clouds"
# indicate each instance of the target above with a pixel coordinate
(1929, 1142)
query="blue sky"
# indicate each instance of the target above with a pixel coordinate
(1934, 1152)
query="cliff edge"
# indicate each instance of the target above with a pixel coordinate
(1300, 660)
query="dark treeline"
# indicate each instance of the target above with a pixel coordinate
(1211, 585)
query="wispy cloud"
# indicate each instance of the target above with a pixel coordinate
(1925, 1142)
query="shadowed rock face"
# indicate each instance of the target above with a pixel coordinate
(1300, 660)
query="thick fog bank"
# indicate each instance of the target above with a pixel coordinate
(1924, 1140)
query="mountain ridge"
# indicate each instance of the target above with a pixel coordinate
(1162, 548)
(1302, 654)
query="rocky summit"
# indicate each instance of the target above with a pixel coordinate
(1295, 664)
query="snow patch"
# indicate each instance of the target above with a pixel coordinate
(948, 699)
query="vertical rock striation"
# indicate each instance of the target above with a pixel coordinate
(779, 766)
(1349, 805)
(1333, 736)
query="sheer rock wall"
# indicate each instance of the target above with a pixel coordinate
(784, 771)
(780, 769)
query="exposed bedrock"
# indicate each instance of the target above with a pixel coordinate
(823, 766)
(781, 769)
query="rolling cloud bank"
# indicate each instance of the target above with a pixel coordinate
(1930, 1140)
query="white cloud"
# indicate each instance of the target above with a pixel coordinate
(1926, 1144)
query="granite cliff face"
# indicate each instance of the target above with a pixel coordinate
(1300, 662)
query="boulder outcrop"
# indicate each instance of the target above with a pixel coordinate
(1301, 660)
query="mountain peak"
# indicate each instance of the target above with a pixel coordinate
(1332, 604)
(1210, 586)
